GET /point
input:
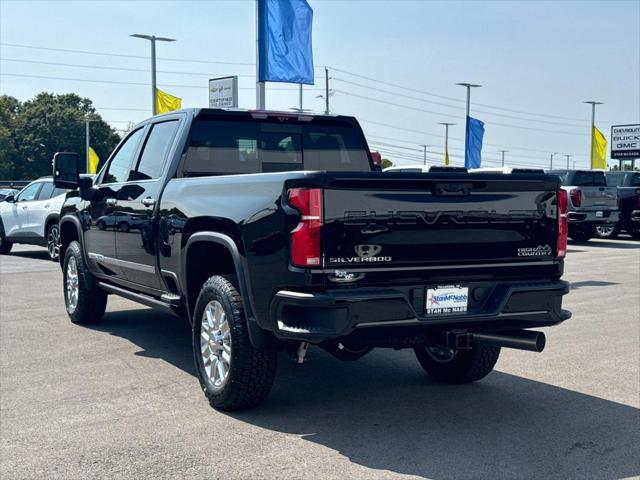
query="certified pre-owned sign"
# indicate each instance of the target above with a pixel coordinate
(625, 141)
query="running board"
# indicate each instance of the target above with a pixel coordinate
(139, 297)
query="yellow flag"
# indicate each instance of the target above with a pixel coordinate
(167, 103)
(446, 157)
(599, 150)
(94, 160)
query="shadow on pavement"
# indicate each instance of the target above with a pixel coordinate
(35, 254)
(633, 244)
(384, 413)
(592, 283)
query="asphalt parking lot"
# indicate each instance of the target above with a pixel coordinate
(120, 399)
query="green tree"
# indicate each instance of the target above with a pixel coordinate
(46, 124)
(386, 163)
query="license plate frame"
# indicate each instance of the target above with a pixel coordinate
(447, 300)
(599, 214)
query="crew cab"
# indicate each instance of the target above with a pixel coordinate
(592, 203)
(628, 186)
(31, 217)
(272, 231)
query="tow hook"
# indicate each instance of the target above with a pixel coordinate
(297, 351)
(302, 351)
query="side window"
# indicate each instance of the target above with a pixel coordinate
(155, 151)
(120, 165)
(46, 191)
(635, 180)
(58, 191)
(29, 193)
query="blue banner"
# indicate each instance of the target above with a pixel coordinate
(285, 53)
(473, 148)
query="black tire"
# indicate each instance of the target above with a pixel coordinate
(101, 225)
(124, 227)
(635, 234)
(582, 233)
(607, 230)
(5, 245)
(250, 371)
(458, 366)
(346, 353)
(53, 242)
(91, 300)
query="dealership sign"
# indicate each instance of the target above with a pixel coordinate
(625, 141)
(223, 92)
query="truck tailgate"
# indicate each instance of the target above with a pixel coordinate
(398, 220)
(599, 197)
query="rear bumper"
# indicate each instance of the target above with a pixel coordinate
(317, 317)
(591, 217)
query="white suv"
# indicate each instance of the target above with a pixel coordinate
(32, 217)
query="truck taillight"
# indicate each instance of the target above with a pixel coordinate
(305, 238)
(563, 228)
(576, 197)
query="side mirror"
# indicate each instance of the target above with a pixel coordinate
(66, 170)
(10, 199)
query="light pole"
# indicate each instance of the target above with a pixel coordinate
(424, 149)
(503, 152)
(551, 160)
(593, 124)
(568, 157)
(468, 86)
(446, 139)
(153, 39)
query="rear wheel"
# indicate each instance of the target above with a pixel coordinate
(449, 365)
(5, 245)
(53, 241)
(232, 373)
(610, 230)
(85, 301)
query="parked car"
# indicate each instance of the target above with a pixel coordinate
(272, 230)
(31, 217)
(591, 202)
(628, 185)
(424, 168)
(505, 170)
(5, 192)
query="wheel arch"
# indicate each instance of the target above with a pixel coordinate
(51, 218)
(70, 230)
(200, 247)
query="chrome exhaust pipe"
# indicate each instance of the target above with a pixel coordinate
(520, 339)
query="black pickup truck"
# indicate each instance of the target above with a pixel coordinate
(273, 231)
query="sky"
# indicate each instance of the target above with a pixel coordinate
(393, 64)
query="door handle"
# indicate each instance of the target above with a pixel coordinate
(148, 202)
(47, 206)
(24, 207)
(112, 202)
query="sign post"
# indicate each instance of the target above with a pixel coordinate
(223, 92)
(625, 143)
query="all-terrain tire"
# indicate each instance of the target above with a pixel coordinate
(464, 366)
(89, 302)
(250, 371)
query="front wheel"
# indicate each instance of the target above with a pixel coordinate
(85, 301)
(232, 373)
(53, 242)
(448, 365)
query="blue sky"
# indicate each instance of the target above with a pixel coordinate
(537, 61)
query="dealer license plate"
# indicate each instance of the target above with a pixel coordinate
(599, 214)
(448, 299)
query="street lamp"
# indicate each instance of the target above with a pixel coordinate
(503, 152)
(468, 86)
(551, 160)
(424, 147)
(153, 39)
(593, 123)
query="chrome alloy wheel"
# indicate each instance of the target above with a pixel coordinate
(215, 344)
(441, 354)
(53, 242)
(72, 285)
(604, 230)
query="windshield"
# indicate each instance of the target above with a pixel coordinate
(223, 147)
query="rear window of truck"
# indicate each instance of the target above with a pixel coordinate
(224, 147)
(587, 179)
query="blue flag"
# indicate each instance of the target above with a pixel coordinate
(284, 49)
(473, 148)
